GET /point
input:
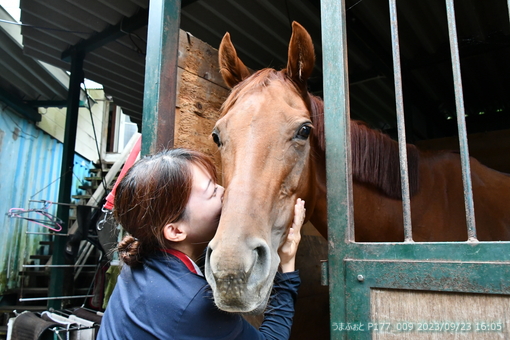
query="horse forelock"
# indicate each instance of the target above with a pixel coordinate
(257, 81)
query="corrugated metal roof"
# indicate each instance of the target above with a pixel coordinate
(260, 30)
(119, 65)
(22, 78)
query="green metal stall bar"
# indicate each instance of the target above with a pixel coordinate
(159, 102)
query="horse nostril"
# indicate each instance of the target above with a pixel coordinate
(260, 263)
(208, 252)
(261, 256)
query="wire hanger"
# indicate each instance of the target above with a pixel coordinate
(49, 221)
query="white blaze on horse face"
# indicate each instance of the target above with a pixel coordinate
(264, 164)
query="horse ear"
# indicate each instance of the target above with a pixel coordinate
(231, 67)
(301, 55)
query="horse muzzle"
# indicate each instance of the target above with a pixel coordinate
(241, 280)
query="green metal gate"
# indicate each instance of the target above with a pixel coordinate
(362, 275)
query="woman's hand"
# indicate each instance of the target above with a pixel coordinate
(288, 250)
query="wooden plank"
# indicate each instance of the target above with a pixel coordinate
(199, 58)
(200, 94)
(400, 314)
(198, 109)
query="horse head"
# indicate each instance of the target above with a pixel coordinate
(265, 136)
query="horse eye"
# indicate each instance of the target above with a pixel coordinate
(216, 138)
(304, 132)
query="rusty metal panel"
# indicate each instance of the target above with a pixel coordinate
(29, 163)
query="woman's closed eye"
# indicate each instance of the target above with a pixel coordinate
(215, 190)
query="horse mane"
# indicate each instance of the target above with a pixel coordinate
(375, 158)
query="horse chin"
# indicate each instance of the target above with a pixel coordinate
(260, 308)
(242, 307)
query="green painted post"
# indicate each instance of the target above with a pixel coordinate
(338, 164)
(58, 277)
(159, 102)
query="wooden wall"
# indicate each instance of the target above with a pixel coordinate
(200, 94)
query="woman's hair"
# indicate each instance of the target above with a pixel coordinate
(153, 193)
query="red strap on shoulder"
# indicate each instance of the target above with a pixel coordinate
(183, 257)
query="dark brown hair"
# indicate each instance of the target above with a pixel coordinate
(153, 193)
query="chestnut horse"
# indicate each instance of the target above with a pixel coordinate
(271, 139)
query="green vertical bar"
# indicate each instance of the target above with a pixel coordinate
(58, 277)
(159, 102)
(461, 123)
(338, 157)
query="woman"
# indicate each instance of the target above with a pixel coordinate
(170, 205)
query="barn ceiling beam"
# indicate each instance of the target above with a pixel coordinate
(19, 106)
(52, 103)
(126, 26)
(112, 33)
(185, 3)
(47, 103)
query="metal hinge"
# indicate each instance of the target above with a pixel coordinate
(324, 273)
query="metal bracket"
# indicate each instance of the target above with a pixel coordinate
(324, 273)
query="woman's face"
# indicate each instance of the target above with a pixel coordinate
(204, 206)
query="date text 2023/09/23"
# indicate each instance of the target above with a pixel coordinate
(404, 326)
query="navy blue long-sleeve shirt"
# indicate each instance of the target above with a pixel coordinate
(163, 299)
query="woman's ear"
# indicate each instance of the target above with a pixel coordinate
(175, 232)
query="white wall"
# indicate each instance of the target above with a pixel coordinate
(53, 122)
